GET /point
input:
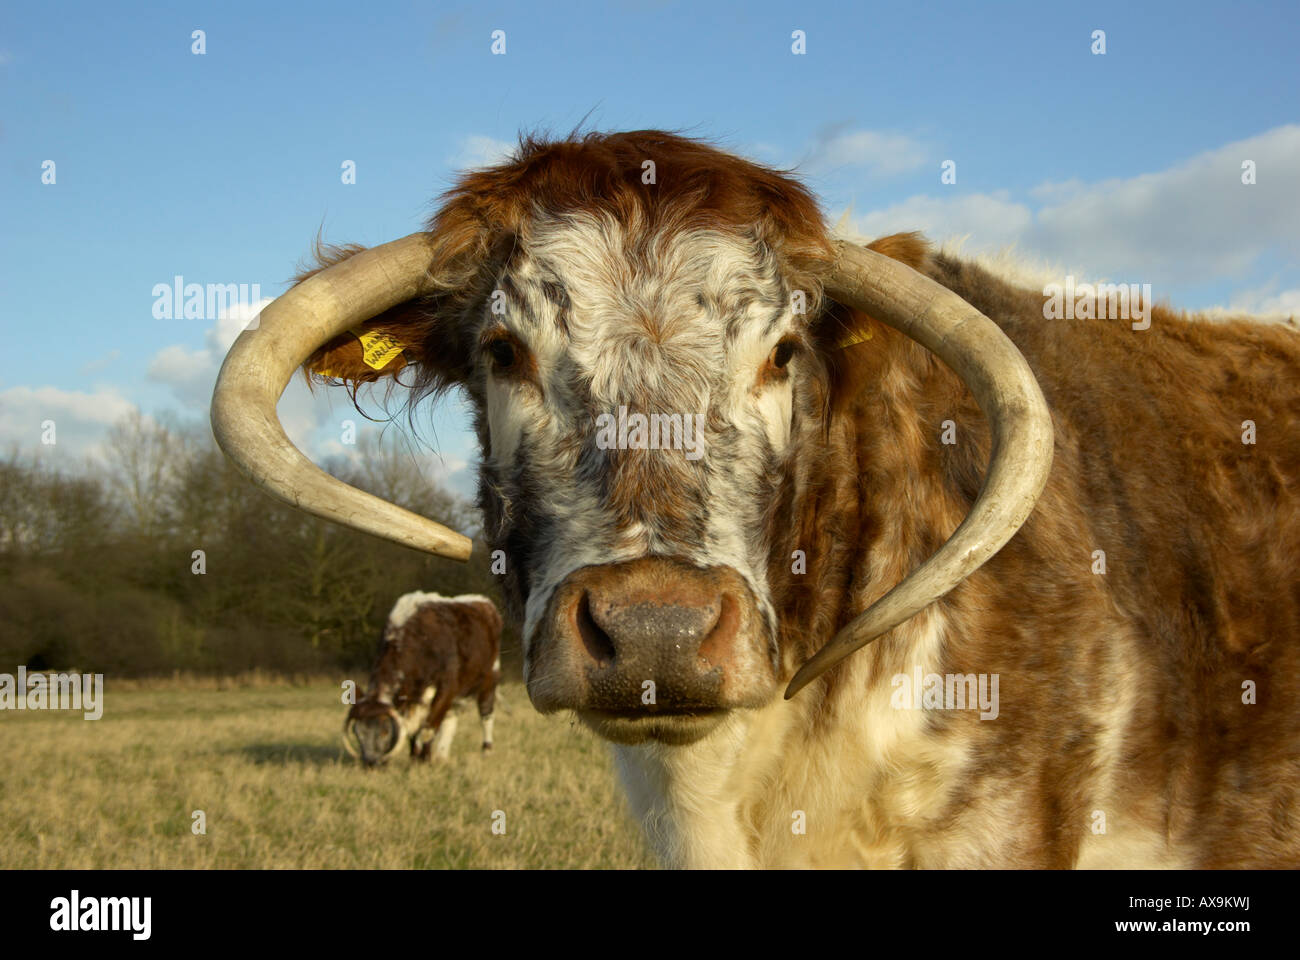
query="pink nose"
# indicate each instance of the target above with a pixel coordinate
(654, 634)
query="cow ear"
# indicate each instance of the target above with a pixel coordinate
(382, 346)
(909, 248)
(850, 339)
(843, 328)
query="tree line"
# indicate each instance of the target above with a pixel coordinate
(160, 556)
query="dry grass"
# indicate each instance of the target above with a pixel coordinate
(265, 764)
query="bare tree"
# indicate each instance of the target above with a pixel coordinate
(391, 469)
(146, 459)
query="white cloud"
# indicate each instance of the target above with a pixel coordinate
(1284, 304)
(81, 420)
(480, 151)
(99, 363)
(1193, 222)
(762, 149)
(181, 368)
(1265, 303)
(192, 373)
(990, 221)
(873, 152)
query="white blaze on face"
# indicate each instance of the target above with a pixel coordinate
(681, 324)
(771, 406)
(511, 408)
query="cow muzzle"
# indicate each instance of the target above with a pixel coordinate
(651, 649)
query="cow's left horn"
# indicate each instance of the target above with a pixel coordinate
(262, 361)
(350, 734)
(1003, 385)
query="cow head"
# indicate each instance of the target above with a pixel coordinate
(646, 328)
(375, 729)
(373, 732)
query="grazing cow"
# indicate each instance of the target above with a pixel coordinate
(719, 443)
(436, 653)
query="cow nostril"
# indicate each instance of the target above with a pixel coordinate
(597, 642)
(719, 643)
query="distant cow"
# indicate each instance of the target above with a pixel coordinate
(436, 653)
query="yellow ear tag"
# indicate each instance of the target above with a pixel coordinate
(377, 349)
(854, 336)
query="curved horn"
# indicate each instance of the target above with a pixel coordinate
(349, 736)
(261, 362)
(398, 732)
(1003, 385)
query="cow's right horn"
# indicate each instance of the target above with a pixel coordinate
(397, 732)
(263, 360)
(998, 376)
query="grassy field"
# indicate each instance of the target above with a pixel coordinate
(266, 766)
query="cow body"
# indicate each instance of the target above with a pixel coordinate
(436, 655)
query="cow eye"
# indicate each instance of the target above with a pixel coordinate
(502, 353)
(782, 353)
(505, 355)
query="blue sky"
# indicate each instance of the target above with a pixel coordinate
(221, 167)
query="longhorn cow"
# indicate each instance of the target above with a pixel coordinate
(722, 450)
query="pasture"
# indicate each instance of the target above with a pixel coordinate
(264, 762)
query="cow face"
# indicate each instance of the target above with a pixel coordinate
(640, 348)
(639, 398)
(373, 731)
